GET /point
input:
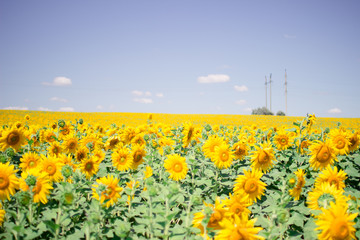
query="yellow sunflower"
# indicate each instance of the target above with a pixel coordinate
(99, 153)
(111, 194)
(81, 153)
(52, 167)
(219, 213)
(47, 135)
(138, 154)
(12, 138)
(238, 205)
(300, 183)
(128, 134)
(262, 159)
(8, 181)
(163, 142)
(138, 139)
(2, 214)
(250, 185)
(304, 147)
(321, 196)
(210, 144)
(336, 223)
(222, 156)
(240, 150)
(332, 176)
(148, 172)
(239, 228)
(29, 160)
(283, 140)
(188, 132)
(176, 166)
(89, 166)
(340, 140)
(41, 188)
(54, 149)
(92, 140)
(70, 144)
(122, 159)
(354, 142)
(112, 142)
(322, 155)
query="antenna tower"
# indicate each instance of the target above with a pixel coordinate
(265, 91)
(270, 91)
(285, 93)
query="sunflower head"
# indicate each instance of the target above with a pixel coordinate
(263, 157)
(222, 156)
(176, 166)
(12, 138)
(322, 155)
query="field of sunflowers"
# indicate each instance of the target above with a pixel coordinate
(172, 176)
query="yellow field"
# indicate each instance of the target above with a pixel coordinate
(135, 119)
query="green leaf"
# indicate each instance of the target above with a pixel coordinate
(309, 230)
(52, 226)
(297, 219)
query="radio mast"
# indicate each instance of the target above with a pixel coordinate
(270, 91)
(285, 94)
(265, 91)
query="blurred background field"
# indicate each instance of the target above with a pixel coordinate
(134, 119)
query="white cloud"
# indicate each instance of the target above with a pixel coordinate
(287, 36)
(241, 88)
(57, 99)
(16, 108)
(241, 102)
(247, 110)
(59, 81)
(334, 110)
(160, 95)
(214, 78)
(43, 109)
(137, 93)
(99, 107)
(143, 100)
(147, 94)
(66, 109)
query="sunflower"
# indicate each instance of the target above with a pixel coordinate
(332, 176)
(89, 166)
(12, 138)
(283, 140)
(163, 142)
(304, 146)
(41, 186)
(322, 155)
(138, 154)
(2, 214)
(219, 213)
(52, 165)
(67, 160)
(55, 149)
(240, 228)
(138, 139)
(176, 166)
(210, 144)
(92, 141)
(354, 142)
(189, 133)
(128, 134)
(336, 223)
(263, 157)
(81, 153)
(99, 153)
(65, 131)
(8, 181)
(112, 142)
(340, 140)
(251, 140)
(47, 136)
(111, 194)
(250, 185)
(70, 144)
(300, 183)
(122, 159)
(222, 156)
(238, 205)
(148, 172)
(240, 150)
(321, 196)
(29, 160)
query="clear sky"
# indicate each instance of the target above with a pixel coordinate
(181, 56)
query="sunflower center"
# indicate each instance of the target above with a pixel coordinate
(137, 157)
(13, 138)
(69, 197)
(109, 192)
(72, 145)
(323, 155)
(340, 142)
(283, 141)
(178, 167)
(81, 156)
(224, 156)
(250, 185)
(239, 150)
(263, 157)
(325, 199)
(215, 217)
(31, 164)
(237, 209)
(333, 181)
(38, 187)
(51, 169)
(4, 182)
(122, 160)
(339, 229)
(113, 142)
(190, 133)
(89, 166)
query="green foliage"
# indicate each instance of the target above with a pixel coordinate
(280, 113)
(261, 111)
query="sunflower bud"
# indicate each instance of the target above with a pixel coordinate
(167, 150)
(122, 229)
(23, 198)
(193, 143)
(291, 181)
(208, 127)
(61, 123)
(174, 188)
(81, 121)
(196, 200)
(67, 171)
(152, 191)
(30, 180)
(146, 137)
(68, 198)
(3, 159)
(235, 139)
(10, 152)
(282, 215)
(149, 181)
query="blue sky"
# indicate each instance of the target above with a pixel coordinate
(180, 56)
